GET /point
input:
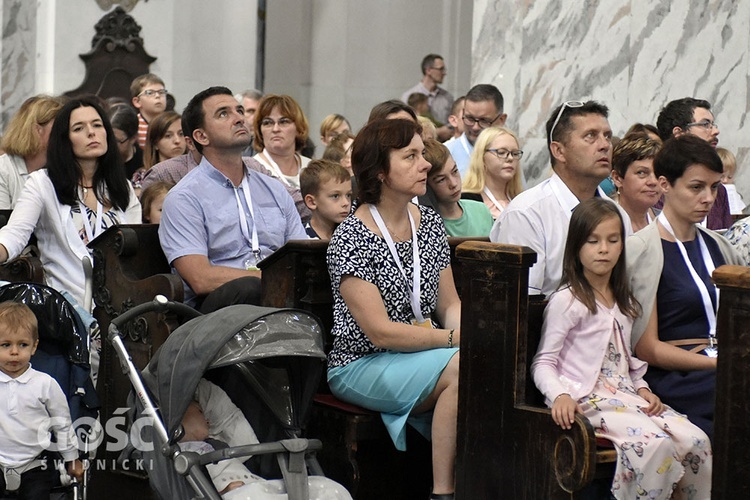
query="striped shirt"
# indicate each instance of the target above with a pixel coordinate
(142, 131)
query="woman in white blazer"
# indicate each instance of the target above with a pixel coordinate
(84, 175)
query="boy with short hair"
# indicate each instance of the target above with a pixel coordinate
(150, 99)
(327, 190)
(33, 405)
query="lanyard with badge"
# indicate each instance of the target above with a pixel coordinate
(251, 238)
(494, 201)
(712, 349)
(91, 234)
(419, 319)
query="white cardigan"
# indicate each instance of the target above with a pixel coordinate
(12, 172)
(39, 211)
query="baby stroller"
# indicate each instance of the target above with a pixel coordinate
(63, 353)
(268, 361)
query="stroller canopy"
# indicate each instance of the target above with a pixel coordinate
(232, 335)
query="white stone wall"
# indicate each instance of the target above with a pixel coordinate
(345, 56)
(197, 44)
(633, 55)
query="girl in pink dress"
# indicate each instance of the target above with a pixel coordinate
(661, 454)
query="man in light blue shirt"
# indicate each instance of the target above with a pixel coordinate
(221, 219)
(483, 107)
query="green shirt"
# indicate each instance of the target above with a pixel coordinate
(475, 221)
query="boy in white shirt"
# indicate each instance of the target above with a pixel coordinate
(32, 405)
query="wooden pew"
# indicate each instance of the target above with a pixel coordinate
(23, 268)
(357, 449)
(731, 468)
(508, 445)
(26, 267)
(129, 269)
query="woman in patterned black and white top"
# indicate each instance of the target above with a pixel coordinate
(396, 310)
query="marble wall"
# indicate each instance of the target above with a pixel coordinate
(632, 55)
(18, 48)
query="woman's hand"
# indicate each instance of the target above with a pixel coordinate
(655, 406)
(564, 410)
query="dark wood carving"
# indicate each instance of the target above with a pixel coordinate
(508, 445)
(117, 56)
(23, 268)
(27, 266)
(130, 269)
(731, 468)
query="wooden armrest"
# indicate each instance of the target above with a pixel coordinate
(573, 452)
(23, 268)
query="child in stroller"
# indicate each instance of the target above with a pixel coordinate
(33, 404)
(268, 363)
(222, 424)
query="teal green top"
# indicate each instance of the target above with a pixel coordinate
(475, 221)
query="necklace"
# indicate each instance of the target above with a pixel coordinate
(395, 234)
(85, 189)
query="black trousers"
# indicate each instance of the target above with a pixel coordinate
(239, 291)
(36, 484)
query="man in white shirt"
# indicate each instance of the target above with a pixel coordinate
(483, 107)
(579, 141)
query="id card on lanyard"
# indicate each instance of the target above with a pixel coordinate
(250, 236)
(712, 350)
(97, 230)
(415, 291)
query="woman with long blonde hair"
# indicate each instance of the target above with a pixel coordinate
(494, 175)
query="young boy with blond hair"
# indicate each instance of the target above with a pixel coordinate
(150, 99)
(327, 190)
(33, 405)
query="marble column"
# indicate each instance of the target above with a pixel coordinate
(18, 56)
(632, 55)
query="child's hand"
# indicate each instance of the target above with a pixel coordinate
(655, 406)
(75, 469)
(564, 411)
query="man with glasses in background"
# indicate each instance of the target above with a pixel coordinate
(438, 99)
(694, 116)
(483, 107)
(579, 140)
(150, 99)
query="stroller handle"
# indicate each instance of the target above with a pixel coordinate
(159, 304)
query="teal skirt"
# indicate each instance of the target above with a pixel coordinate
(392, 383)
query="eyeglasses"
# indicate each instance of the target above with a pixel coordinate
(153, 93)
(704, 124)
(441, 69)
(470, 121)
(123, 141)
(269, 122)
(504, 154)
(566, 104)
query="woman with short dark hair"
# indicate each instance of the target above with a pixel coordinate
(633, 174)
(396, 311)
(670, 264)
